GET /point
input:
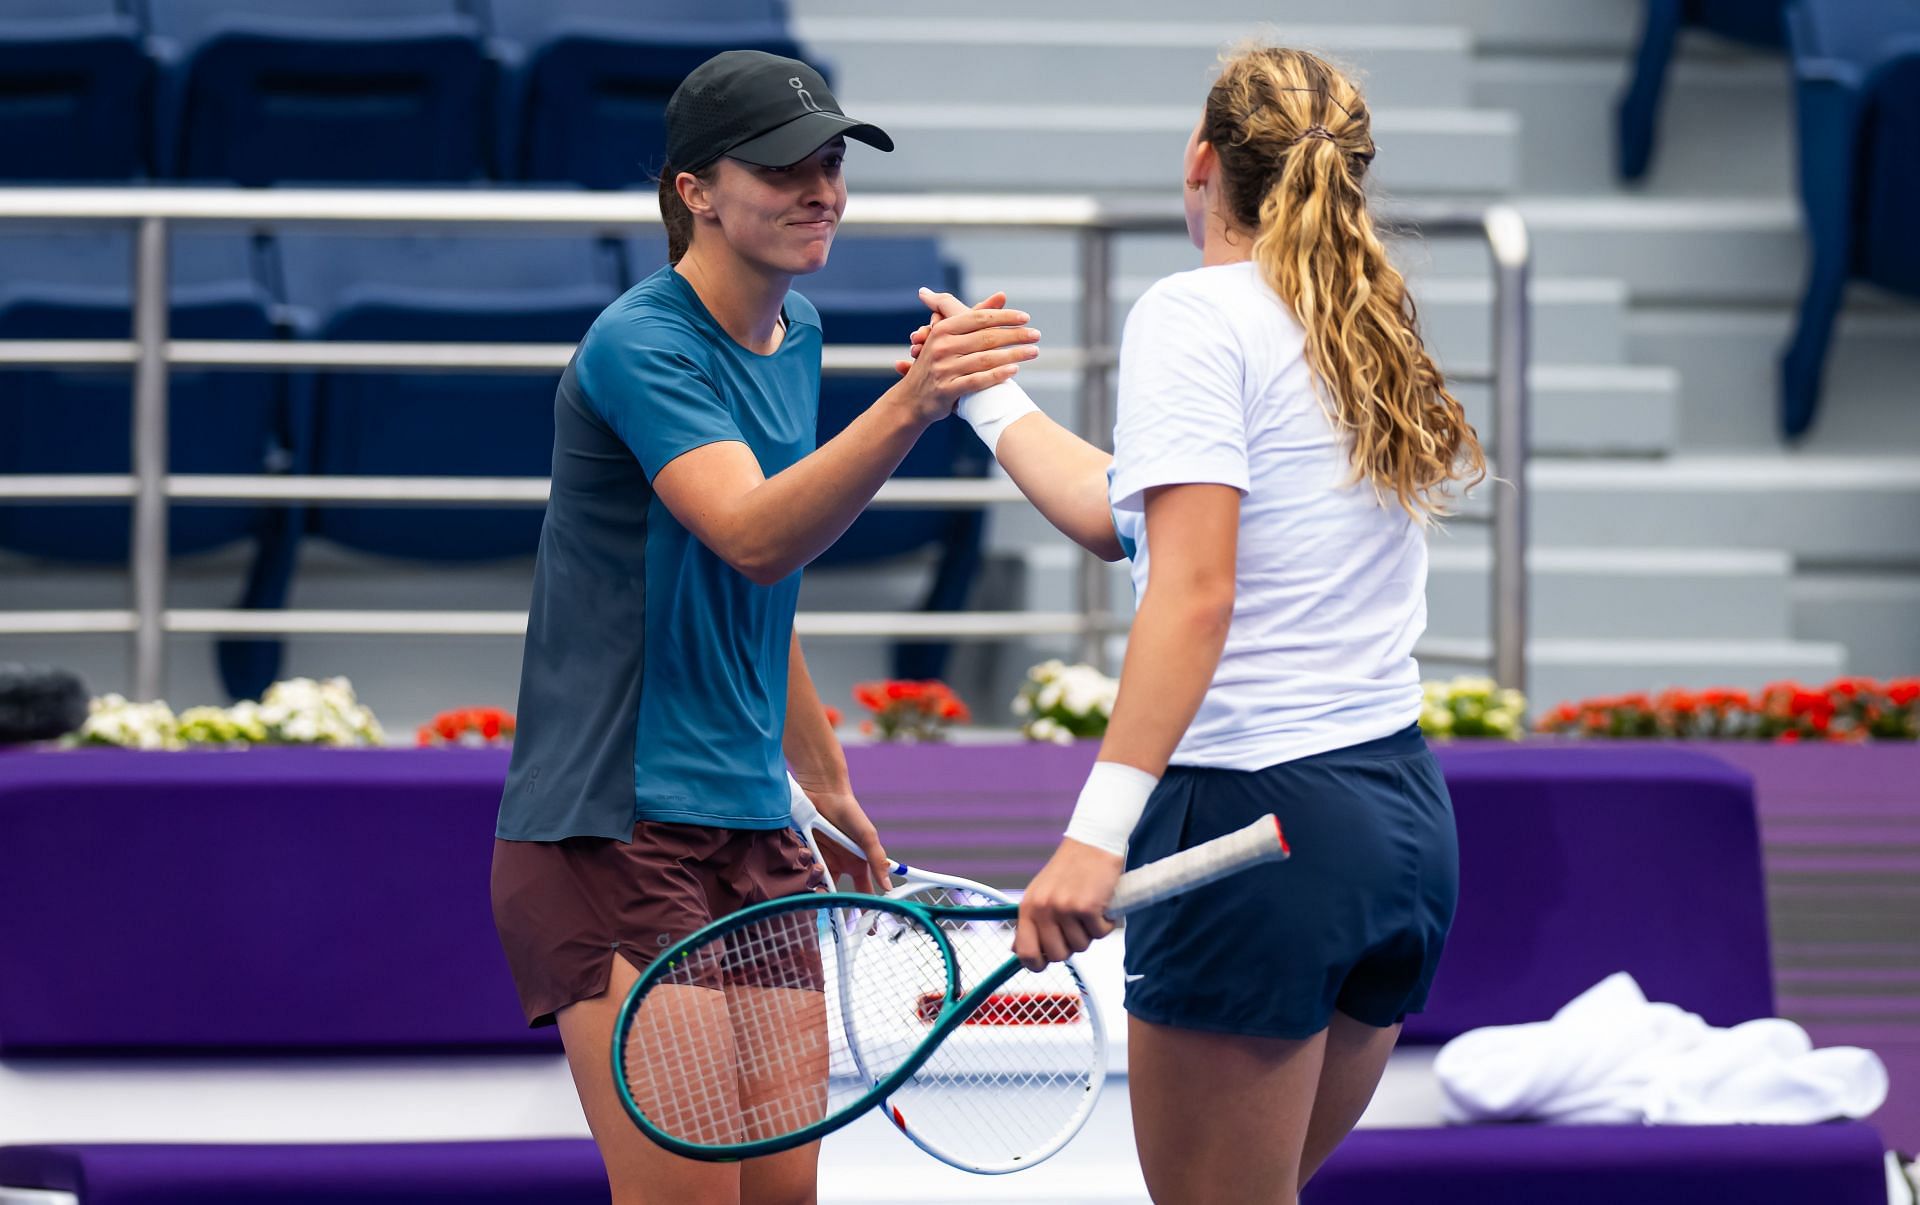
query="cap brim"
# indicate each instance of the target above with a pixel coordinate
(803, 136)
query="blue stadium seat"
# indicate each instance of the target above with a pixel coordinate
(443, 289)
(586, 84)
(1754, 22)
(75, 86)
(1857, 82)
(72, 282)
(268, 91)
(866, 295)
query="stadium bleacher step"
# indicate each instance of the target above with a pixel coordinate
(1591, 409)
(1124, 147)
(1727, 359)
(1722, 127)
(1871, 611)
(1677, 250)
(1574, 321)
(1605, 593)
(1820, 509)
(1578, 409)
(1542, 24)
(1622, 593)
(886, 59)
(1608, 620)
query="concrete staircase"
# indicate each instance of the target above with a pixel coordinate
(1676, 542)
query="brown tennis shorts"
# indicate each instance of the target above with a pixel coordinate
(563, 908)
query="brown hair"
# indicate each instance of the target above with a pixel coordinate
(674, 211)
(1294, 140)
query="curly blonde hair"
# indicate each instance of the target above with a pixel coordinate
(1294, 140)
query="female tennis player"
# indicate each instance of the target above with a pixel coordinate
(1283, 442)
(662, 682)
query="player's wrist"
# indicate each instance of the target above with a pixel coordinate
(994, 409)
(912, 406)
(1110, 805)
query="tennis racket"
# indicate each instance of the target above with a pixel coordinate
(735, 1042)
(1021, 1076)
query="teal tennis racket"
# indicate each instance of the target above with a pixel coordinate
(736, 1042)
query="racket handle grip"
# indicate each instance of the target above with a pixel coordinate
(1258, 842)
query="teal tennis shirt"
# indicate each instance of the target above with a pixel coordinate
(654, 681)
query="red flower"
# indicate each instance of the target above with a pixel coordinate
(1790, 736)
(915, 710)
(489, 723)
(833, 716)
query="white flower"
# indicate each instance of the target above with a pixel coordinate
(111, 720)
(1022, 706)
(1050, 696)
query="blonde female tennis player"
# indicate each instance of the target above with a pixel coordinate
(1283, 441)
(662, 682)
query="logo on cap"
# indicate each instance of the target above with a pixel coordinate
(806, 97)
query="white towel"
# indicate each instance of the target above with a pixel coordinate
(1611, 1057)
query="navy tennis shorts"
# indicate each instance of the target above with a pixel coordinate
(1354, 921)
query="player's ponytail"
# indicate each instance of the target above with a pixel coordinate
(1294, 141)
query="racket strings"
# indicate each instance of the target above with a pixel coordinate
(997, 1092)
(744, 1038)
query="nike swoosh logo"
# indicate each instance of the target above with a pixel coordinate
(1132, 978)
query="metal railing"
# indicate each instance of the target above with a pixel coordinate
(1097, 224)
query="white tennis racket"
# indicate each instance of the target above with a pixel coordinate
(1020, 1078)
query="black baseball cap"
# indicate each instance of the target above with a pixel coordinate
(758, 108)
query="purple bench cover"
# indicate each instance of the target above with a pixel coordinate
(1493, 1165)
(550, 1171)
(263, 900)
(327, 901)
(1576, 863)
(1838, 1164)
(323, 900)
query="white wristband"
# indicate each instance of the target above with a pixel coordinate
(991, 411)
(1110, 805)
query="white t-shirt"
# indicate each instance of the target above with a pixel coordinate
(1330, 586)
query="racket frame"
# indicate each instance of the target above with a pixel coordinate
(1258, 842)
